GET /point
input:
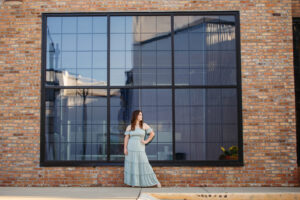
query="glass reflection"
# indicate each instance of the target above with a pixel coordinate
(76, 46)
(157, 112)
(76, 124)
(85, 24)
(140, 46)
(140, 55)
(54, 24)
(69, 24)
(204, 50)
(85, 42)
(84, 59)
(206, 120)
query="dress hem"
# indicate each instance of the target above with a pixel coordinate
(141, 185)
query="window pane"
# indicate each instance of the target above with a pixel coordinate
(140, 51)
(181, 59)
(118, 77)
(196, 24)
(100, 24)
(99, 77)
(148, 42)
(69, 60)
(84, 77)
(117, 42)
(164, 76)
(164, 59)
(76, 124)
(100, 59)
(148, 76)
(117, 59)
(74, 49)
(132, 25)
(163, 24)
(196, 59)
(132, 42)
(181, 40)
(54, 25)
(227, 23)
(99, 42)
(85, 25)
(197, 41)
(69, 25)
(156, 112)
(85, 42)
(53, 51)
(204, 50)
(148, 24)
(69, 42)
(84, 59)
(117, 24)
(149, 59)
(133, 59)
(206, 120)
(212, 24)
(164, 43)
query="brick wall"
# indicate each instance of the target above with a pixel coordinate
(295, 8)
(267, 93)
(296, 13)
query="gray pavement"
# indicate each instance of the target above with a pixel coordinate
(93, 193)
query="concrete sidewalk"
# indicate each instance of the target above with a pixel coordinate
(88, 193)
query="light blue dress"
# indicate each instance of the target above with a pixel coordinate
(137, 169)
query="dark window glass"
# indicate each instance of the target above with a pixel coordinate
(76, 124)
(204, 49)
(206, 119)
(156, 105)
(194, 113)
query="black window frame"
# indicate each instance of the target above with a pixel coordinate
(221, 163)
(296, 21)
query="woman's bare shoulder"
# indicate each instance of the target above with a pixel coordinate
(128, 128)
(145, 126)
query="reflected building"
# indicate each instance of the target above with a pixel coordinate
(141, 55)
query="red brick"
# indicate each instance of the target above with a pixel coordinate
(269, 124)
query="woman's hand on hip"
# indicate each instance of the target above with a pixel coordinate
(143, 141)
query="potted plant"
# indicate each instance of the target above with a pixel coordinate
(230, 154)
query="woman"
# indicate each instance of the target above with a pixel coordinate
(137, 169)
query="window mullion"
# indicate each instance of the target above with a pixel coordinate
(173, 89)
(108, 89)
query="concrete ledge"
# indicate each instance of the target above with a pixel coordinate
(111, 193)
(220, 196)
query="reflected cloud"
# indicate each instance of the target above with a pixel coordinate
(67, 78)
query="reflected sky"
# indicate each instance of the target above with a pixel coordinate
(140, 50)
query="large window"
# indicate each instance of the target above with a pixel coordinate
(181, 69)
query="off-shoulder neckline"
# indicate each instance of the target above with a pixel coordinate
(140, 128)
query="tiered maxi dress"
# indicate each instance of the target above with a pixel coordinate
(137, 169)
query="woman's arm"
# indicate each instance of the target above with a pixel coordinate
(152, 134)
(126, 141)
(125, 144)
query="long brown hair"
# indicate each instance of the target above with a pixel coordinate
(133, 119)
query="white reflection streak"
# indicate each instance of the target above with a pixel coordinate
(215, 38)
(219, 37)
